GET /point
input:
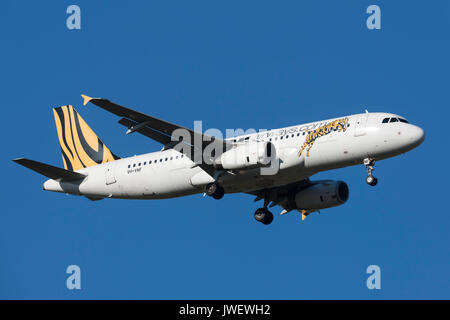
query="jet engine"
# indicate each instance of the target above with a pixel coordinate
(321, 195)
(246, 156)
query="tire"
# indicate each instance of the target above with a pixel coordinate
(268, 218)
(260, 214)
(264, 216)
(371, 181)
(219, 193)
(211, 189)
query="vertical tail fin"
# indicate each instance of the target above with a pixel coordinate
(80, 146)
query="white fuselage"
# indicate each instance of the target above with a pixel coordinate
(167, 174)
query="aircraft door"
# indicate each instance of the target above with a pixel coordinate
(360, 125)
(110, 174)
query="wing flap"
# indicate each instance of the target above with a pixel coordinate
(146, 131)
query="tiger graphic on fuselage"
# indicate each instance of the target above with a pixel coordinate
(339, 125)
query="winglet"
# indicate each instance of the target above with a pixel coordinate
(86, 99)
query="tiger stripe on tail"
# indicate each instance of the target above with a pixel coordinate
(80, 146)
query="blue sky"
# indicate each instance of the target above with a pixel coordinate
(233, 64)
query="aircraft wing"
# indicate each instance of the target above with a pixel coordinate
(280, 195)
(154, 128)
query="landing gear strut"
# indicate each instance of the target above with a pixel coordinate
(214, 190)
(263, 215)
(369, 164)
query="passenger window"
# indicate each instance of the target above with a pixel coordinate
(129, 165)
(304, 132)
(287, 136)
(150, 162)
(182, 155)
(139, 164)
(385, 120)
(166, 159)
(171, 158)
(160, 160)
(134, 165)
(145, 163)
(394, 120)
(298, 134)
(281, 138)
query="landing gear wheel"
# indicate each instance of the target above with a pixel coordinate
(371, 181)
(369, 163)
(264, 216)
(219, 193)
(214, 190)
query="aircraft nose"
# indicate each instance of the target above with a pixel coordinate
(416, 135)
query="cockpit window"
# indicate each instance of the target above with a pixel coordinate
(386, 120)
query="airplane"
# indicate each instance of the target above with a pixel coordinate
(274, 165)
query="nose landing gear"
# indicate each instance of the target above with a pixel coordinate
(369, 164)
(371, 181)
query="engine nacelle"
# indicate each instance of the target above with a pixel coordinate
(246, 156)
(321, 195)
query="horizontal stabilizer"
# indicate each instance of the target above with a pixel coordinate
(49, 171)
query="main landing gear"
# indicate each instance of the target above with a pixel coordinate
(263, 215)
(214, 190)
(369, 164)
